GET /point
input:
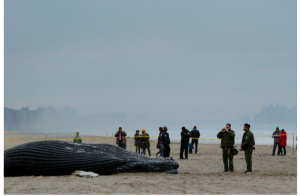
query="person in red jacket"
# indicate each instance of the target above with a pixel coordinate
(282, 142)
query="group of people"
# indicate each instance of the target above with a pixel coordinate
(185, 145)
(226, 135)
(280, 141)
(141, 142)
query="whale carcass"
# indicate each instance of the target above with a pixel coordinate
(63, 158)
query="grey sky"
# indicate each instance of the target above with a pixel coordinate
(187, 60)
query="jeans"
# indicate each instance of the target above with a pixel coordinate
(274, 147)
(194, 141)
(160, 152)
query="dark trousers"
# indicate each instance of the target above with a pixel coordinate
(167, 151)
(137, 149)
(274, 147)
(184, 147)
(248, 157)
(227, 157)
(280, 150)
(194, 141)
(121, 145)
(144, 151)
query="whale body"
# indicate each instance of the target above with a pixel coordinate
(63, 158)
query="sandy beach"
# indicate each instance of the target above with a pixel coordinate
(200, 174)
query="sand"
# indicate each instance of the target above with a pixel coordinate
(200, 174)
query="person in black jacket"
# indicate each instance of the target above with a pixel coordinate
(195, 135)
(165, 140)
(185, 140)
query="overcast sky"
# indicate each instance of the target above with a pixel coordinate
(171, 60)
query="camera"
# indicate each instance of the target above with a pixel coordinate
(224, 130)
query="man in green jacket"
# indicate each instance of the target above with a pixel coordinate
(227, 141)
(77, 139)
(248, 146)
(137, 141)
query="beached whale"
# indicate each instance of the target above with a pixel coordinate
(63, 158)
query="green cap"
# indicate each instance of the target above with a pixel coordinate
(277, 127)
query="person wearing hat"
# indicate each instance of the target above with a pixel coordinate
(145, 144)
(185, 140)
(195, 135)
(227, 141)
(137, 141)
(121, 138)
(247, 146)
(276, 135)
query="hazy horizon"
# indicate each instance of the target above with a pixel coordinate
(171, 60)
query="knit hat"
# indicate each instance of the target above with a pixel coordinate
(277, 127)
(143, 130)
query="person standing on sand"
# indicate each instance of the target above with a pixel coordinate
(195, 135)
(137, 141)
(158, 145)
(77, 139)
(282, 142)
(120, 138)
(145, 144)
(247, 146)
(276, 135)
(165, 140)
(227, 141)
(184, 144)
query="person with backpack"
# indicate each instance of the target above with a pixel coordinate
(195, 135)
(282, 142)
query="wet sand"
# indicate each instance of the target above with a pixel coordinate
(200, 174)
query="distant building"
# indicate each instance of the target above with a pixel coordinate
(36, 119)
(276, 114)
